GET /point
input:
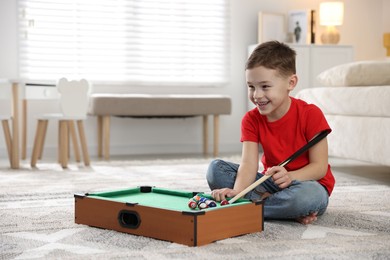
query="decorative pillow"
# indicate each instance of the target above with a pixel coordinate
(362, 73)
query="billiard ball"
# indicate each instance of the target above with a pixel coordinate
(224, 202)
(202, 205)
(192, 204)
(211, 203)
(203, 199)
(196, 197)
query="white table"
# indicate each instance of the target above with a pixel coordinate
(25, 91)
(15, 159)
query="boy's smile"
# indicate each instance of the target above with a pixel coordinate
(269, 91)
(261, 105)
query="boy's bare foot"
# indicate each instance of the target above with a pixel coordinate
(308, 219)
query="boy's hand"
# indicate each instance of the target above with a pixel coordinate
(280, 176)
(222, 194)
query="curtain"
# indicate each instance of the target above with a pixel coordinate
(138, 42)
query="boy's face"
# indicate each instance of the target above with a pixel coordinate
(269, 91)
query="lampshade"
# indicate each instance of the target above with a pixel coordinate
(331, 13)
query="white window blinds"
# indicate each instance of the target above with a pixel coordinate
(158, 42)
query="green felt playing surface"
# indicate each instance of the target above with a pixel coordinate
(157, 197)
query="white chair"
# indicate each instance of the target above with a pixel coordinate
(74, 102)
(5, 118)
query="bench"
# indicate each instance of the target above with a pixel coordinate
(147, 105)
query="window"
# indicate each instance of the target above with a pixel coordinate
(156, 42)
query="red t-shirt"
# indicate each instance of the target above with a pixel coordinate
(282, 138)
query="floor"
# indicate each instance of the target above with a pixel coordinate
(376, 173)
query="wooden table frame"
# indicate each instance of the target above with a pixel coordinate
(187, 226)
(103, 129)
(16, 113)
(15, 160)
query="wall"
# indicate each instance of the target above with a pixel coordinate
(363, 28)
(8, 39)
(385, 16)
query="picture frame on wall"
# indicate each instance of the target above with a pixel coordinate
(301, 26)
(271, 26)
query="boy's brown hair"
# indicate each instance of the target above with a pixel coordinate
(273, 55)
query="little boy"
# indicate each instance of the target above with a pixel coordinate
(281, 125)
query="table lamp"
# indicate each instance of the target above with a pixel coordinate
(331, 15)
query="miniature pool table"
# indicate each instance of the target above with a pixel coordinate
(164, 214)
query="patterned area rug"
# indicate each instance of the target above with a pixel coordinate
(37, 215)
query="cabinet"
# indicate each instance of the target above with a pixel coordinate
(313, 59)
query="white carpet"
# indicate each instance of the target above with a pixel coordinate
(37, 215)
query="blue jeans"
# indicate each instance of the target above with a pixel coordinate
(299, 199)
